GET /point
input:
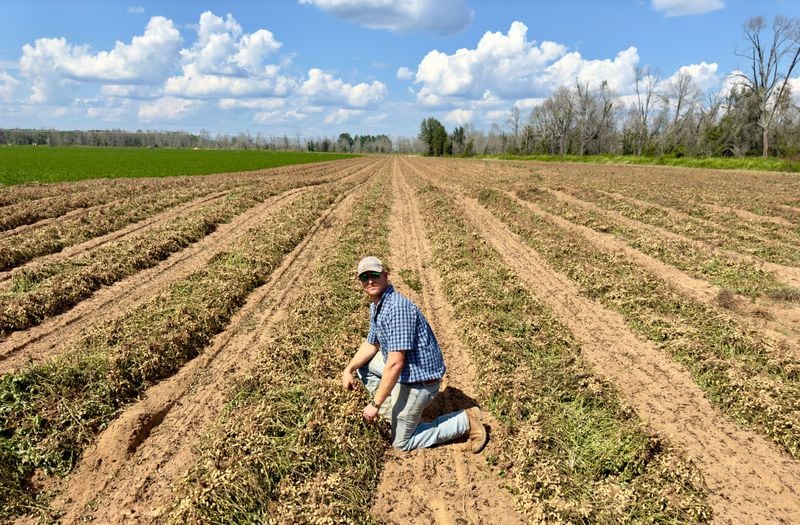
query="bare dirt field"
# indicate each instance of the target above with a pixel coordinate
(632, 335)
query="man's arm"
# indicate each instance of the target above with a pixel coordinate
(391, 372)
(364, 355)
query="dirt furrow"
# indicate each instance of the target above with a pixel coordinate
(42, 341)
(45, 340)
(787, 274)
(131, 474)
(748, 215)
(226, 186)
(80, 249)
(778, 323)
(450, 485)
(750, 481)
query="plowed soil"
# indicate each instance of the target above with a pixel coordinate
(130, 473)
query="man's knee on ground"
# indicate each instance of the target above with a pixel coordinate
(403, 444)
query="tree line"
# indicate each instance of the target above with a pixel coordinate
(756, 116)
(204, 140)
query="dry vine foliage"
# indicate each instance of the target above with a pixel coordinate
(285, 444)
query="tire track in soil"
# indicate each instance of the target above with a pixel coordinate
(772, 320)
(787, 274)
(131, 474)
(445, 484)
(749, 479)
(51, 336)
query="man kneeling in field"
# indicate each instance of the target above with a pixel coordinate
(401, 366)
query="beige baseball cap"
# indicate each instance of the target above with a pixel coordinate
(369, 264)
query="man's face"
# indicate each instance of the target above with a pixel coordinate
(374, 283)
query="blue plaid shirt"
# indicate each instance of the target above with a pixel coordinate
(400, 325)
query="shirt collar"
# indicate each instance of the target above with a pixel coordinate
(386, 293)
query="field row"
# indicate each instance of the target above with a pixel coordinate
(37, 291)
(133, 202)
(54, 409)
(615, 394)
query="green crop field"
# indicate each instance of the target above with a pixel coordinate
(46, 164)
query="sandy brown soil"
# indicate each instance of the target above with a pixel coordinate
(750, 480)
(788, 274)
(446, 484)
(50, 337)
(131, 473)
(778, 322)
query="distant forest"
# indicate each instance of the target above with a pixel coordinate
(203, 140)
(755, 115)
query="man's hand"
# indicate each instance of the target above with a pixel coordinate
(370, 413)
(348, 382)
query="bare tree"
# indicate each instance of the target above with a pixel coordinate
(593, 113)
(645, 88)
(771, 64)
(513, 121)
(562, 111)
(681, 97)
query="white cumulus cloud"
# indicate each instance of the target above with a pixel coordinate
(147, 59)
(222, 48)
(227, 62)
(326, 90)
(340, 116)
(443, 17)
(459, 117)
(166, 108)
(9, 87)
(618, 73)
(687, 7)
(404, 73)
(194, 84)
(704, 75)
(509, 66)
(263, 104)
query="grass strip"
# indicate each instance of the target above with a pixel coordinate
(718, 163)
(50, 412)
(291, 446)
(732, 364)
(742, 277)
(570, 449)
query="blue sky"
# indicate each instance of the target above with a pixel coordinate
(322, 67)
